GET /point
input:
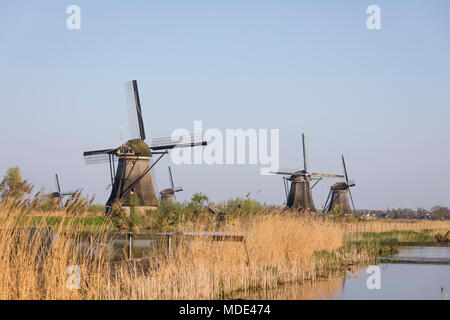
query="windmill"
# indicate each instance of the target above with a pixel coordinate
(298, 194)
(168, 195)
(132, 183)
(339, 194)
(58, 194)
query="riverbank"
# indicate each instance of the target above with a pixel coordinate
(283, 248)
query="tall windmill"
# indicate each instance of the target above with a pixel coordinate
(168, 195)
(132, 183)
(298, 194)
(339, 194)
(58, 194)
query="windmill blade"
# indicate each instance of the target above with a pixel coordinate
(318, 180)
(345, 169)
(134, 110)
(197, 137)
(284, 171)
(171, 178)
(327, 175)
(326, 202)
(177, 142)
(97, 152)
(351, 183)
(96, 160)
(98, 156)
(181, 145)
(285, 188)
(351, 199)
(58, 187)
(304, 152)
(177, 189)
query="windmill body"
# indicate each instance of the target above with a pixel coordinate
(58, 194)
(340, 195)
(339, 198)
(168, 195)
(132, 183)
(299, 195)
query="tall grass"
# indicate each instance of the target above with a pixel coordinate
(395, 225)
(280, 247)
(283, 247)
(34, 264)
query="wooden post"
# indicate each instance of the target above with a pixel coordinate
(130, 245)
(169, 244)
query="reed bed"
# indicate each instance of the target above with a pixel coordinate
(34, 264)
(392, 225)
(283, 248)
(280, 247)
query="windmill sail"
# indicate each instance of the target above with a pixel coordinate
(326, 175)
(177, 142)
(171, 178)
(134, 110)
(349, 183)
(58, 187)
(304, 152)
(284, 171)
(99, 156)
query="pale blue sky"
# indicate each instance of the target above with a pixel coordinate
(380, 97)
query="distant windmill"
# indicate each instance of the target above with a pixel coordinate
(299, 195)
(132, 181)
(58, 194)
(168, 195)
(339, 194)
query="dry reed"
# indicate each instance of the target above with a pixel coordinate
(281, 248)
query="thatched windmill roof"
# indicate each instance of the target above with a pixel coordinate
(167, 191)
(339, 186)
(139, 147)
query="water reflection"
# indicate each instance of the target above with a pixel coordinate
(317, 290)
(399, 281)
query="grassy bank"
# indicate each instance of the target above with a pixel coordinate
(283, 247)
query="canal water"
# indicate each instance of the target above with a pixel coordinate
(413, 273)
(418, 273)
